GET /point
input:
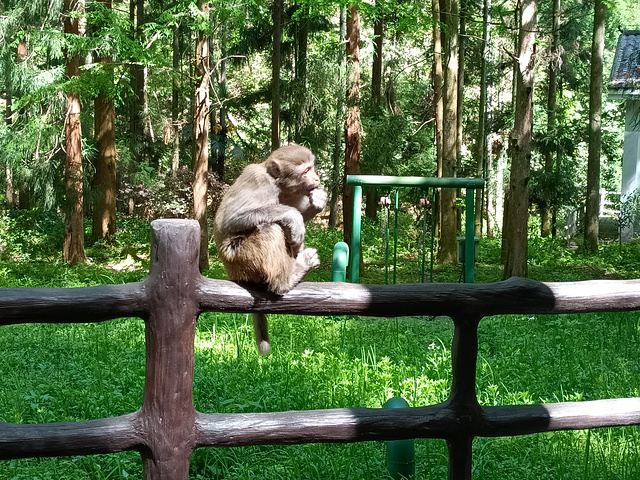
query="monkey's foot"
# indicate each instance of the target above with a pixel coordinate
(310, 257)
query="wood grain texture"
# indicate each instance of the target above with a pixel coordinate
(107, 435)
(512, 296)
(72, 305)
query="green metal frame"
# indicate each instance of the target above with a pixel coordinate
(358, 181)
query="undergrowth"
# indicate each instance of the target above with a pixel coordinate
(53, 373)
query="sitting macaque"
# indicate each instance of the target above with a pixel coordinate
(259, 225)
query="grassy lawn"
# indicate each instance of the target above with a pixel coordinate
(52, 373)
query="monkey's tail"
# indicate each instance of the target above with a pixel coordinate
(261, 333)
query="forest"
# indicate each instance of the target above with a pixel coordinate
(118, 112)
(131, 107)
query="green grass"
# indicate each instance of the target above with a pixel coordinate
(77, 372)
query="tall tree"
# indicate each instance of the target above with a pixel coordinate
(592, 213)
(376, 70)
(481, 146)
(371, 192)
(437, 79)
(447, 249)
(73, 247)
(352, 122)
(8, 118)
(339, 126)
(175, 99)
(276, 62)
(201, 137)
(221, 144)
(104, 180)
(550, 152)
(515, 234)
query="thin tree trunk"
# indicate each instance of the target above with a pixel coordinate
(438, 101)
(520, 144)
(447, 249)
(591, 226)
(104, 180)
(222, 136)
(336, 177)
(73, 247)
(549, 155)
(136, 17)
(352, 123)
(276, 61)
(301, 101)
(201, 140)
(376, 71)
(175, 103)
(371, 203)
(8, 118)
(481, 152)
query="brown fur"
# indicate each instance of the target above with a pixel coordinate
(259, 225)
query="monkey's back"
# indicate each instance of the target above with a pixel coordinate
(259, 252)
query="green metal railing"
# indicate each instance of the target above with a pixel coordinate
(470, 184)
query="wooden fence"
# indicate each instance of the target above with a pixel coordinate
(167, 428)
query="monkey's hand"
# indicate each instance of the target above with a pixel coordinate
(293, 226)
(313, 204)
(318, 199)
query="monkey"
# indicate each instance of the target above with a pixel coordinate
(259, 226)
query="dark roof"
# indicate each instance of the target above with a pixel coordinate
(625, 72)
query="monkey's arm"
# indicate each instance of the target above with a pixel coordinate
(246, 220)
(308, 205)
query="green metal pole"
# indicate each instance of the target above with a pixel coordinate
(401, 461)
(395, 238)
(355, 233)
(339, 262)
(434, 209)
(424, 234)
(386, 248)
(469, 241)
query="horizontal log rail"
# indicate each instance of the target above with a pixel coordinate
(513, 296)
(167, 428)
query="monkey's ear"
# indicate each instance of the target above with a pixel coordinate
(274, 168)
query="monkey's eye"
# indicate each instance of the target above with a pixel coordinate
(307, 170)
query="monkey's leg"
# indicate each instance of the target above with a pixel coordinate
(261, 333)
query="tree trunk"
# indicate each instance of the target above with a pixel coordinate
(73, 247)
(221, 150)
(591, 226)
(376, 71)
(8, 118)
(517, 209)
(201, 105)
(545, 208)
(339, 130)
(448, 249)
(301, 100)
(136, 17)
(276, 62)
(175, 103)
(481, 151)
(352, 123)
(438, 102)
(104, 180)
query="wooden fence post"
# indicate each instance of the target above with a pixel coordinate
(167, 414)
(463, 400)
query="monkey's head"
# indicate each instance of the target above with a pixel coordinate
(293, 167)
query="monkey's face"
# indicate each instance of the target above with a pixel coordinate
(309, 178)
(293, 167)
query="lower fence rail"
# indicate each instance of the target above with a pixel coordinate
(167, 428)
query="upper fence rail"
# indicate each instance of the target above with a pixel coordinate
(167, 428)
(512, 296)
